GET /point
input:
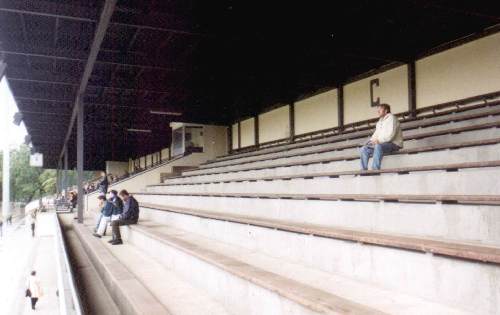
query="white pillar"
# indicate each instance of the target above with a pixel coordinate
(6, 181)
(6, 159)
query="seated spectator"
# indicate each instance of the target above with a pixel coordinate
(73, 199)
(387, 138)
(117, 202)
(103, 184)
(107, 209)
(129, 216)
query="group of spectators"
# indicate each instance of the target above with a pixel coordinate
(119, 209)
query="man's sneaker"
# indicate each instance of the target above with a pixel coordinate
(111, 240)
(117, 242)
(97, 235)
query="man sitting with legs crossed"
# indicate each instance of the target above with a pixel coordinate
(387, 138)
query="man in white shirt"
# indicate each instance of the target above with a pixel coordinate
(386, 139)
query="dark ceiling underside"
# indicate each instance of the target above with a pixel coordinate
(214, 61)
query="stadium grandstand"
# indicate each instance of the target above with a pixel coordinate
(237, 126)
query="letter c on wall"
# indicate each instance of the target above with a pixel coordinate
(373, 103)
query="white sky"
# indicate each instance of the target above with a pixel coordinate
(9, 133)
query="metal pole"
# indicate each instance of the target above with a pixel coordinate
(57, 179)
(79, 157)
(6, 178)
(65, 173)
(107, 12)
(6, 159)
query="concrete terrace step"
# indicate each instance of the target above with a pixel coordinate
(465, 199)
(332, 151)
(155, 289)
(437, 119)
(460, 222)
(464, 152)
(469, 251)
(315, 292)
(95, 296)
(445, 279)
(452, 167)
(172, 291)
(353, 156)
(470, 181)
(359, 138)
(129, 294)
(468, 133)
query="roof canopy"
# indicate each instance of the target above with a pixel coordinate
(212, 61)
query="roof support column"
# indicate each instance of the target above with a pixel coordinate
(104, 19)
(412, 92)
(291, 118)
(256, 126)
(6, 162)
(340, 104)
(79, 158)
(230, 139)
(58, 178)
(65, 172)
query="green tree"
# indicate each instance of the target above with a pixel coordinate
(28, 183)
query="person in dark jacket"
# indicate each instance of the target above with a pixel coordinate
(107, 208)
(73, 199)
(129, 216)
(103, 184)
(117, 202)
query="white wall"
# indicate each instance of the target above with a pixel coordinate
(316, 112)
(215, 144)
(234, 135)
(464, 71)
(247, 132)
(215, 141)
(274, 124)
(116, 168)
(164, 154)
(393, 89)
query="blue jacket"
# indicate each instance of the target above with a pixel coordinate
(108, 208)
(132, 212)
(118, 203)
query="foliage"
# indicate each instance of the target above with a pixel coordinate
(28, 183)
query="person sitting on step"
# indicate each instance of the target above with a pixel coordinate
(117, 202)
(129, 216)
(387, 138)
(107, 208)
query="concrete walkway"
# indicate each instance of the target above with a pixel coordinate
(19, 254)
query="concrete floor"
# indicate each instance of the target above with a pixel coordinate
(20, 253)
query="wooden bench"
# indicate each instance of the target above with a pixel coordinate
(352, 157)
(309, 297)
(355, 145)
(401, 170)
(475, 252)
(426, 121)
(414, 198)
(129, 294)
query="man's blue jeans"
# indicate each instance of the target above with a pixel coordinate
(99, 217)
(377, 151)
